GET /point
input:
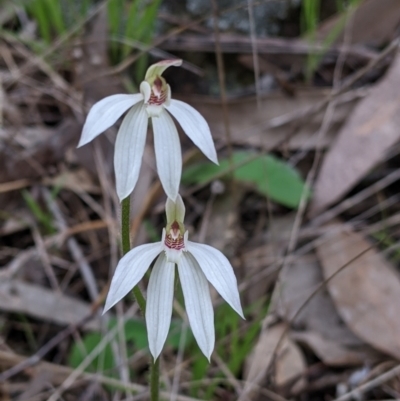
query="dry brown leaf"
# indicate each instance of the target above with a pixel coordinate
(374, 22)
(75, 180)
(289, 362)
(284, 51)
(366, 293)
(263, 352)
(219, 222)
(324, 331)
(265, 257)
(370, 131)
(44, 304)
(27, 138)
(217, 227)
(290, 366)
(297, 281)
(28, 163)
(256, 129)
(330, 352)
(58, 374)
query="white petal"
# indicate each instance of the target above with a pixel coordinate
(145, 90)
(130, 270)
(129, 148)
(195, 127)
(105, 113)
(198, 303)
(218, 271)
(168, 99)
(168, 154)
(160, 294)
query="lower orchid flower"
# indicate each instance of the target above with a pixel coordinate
(196, 263)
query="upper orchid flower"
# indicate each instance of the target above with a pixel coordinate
(197, 263)
(151, 102)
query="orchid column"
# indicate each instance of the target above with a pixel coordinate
(197, 264)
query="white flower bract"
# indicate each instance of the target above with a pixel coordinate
(197, 264)
(152, 102)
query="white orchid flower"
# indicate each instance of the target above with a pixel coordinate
(196, 263)
(152, 101)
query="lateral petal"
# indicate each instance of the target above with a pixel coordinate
(198, 303)
(130, 270)
(160, 294)
(129, 148)
(195, 127)
(105, 113)
(219, 272)
(168, 154)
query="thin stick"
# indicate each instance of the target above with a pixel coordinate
(391, 374)
(221, 79)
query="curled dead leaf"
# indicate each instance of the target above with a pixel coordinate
(371, 130)
(366, 293)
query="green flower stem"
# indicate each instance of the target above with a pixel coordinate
(154, 379)
(126, 246)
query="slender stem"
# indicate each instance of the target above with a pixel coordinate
(125, 225)
(126, 246)
(154, 379)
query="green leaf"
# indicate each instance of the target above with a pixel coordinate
(233, 352)
(269, 175)
(42, 217)
(135, 331)
(135, 336)
(38, 10)
(55, 14)
(103, 362)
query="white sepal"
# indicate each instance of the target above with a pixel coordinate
(180, 209)
(175, 211)
(168, 154)
(158, 68)
(130, 270)
(129, 148)
(160, 294)
(195, 127)
(170, 210)
(219, 272)
(198, 303)
(105, 113)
